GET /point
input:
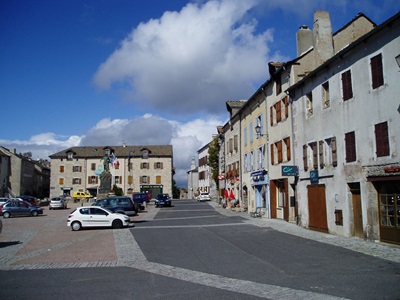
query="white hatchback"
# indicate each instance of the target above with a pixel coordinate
(94, 216)
(204, 197)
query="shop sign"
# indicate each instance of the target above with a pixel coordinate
(314, 176)
(290, 171)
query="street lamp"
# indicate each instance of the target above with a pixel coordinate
(258, 132)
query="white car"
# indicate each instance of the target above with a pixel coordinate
(58, 202)
(95, 216)
(204, 197)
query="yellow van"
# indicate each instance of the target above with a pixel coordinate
(78, 195)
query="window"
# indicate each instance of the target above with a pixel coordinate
(144, 179)
(158, 165)
(158, 179)
(235, 143)
(145, 154)
(118, 179)
(245, 136)
(273, 153)
(279, 151)
(350, 141)
(376, 71)
(382, 139)
(261, 158)
(76, 169)
(61, 181)
(230, 146)
(271, 115)
(93, 179)
(251, 131)
(346, 86)
(144, 165)
(76, 181)
(93, 166)
(325, 95)
(61, 169)
(309, 103)
(130, 179)
(70, 156)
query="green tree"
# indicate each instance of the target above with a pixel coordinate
(175, 190)
(117, 190)
(213, 159)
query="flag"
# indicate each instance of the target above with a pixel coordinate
(114, 160)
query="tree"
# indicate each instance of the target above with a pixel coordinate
(175, 190)
(213, 160)
(117, 190)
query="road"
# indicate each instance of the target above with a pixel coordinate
(189, 250)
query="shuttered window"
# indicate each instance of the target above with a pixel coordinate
(382, 139)
(347, 86)
(350, 141)
(377, 71)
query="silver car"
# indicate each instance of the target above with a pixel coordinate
(58, 202)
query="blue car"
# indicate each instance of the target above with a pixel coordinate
(163, 200)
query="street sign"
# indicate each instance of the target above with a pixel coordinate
(290, 171)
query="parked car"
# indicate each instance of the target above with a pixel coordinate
(20, 208)
(79, 195)
(3, 200)
(204, 197)
(163, 200)
(58, 202)
(139, 199)
(30, 199)
(93, 216)
(118, 204)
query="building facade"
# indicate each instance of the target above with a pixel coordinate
(133, 168)
(347, 138)
(21, 175)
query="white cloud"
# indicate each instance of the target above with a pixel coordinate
(192, 60)
(186, 138)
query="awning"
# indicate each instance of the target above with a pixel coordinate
(383, 178)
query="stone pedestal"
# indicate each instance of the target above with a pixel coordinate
(105, 185)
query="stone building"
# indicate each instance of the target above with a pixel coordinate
(22, 175)
(133, 168)
(346, 138)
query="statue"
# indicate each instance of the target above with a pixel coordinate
(106, 163)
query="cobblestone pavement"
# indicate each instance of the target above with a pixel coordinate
(50, 244)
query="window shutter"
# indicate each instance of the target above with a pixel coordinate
(271, 115)
(286, 101)
(272, 154)
(334, 151)
(61, 169)
(80, 168)
(130, 179)
(279, 144)
(346, 85)
(140, 179)
(305, 159)
(278, 112)
(288, 153)
(321, 154)
(315, 155)
(382, 139)
(88, 179)
(61, 181)
(377, 71)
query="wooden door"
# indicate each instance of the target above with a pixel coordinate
(272, 197)
(357, 216)
(317, 208)
(286, 200)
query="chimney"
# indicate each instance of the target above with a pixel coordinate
(322, 35)
(304, 39)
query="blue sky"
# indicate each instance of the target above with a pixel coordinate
(102, 72)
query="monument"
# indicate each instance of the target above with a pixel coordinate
(105, 178)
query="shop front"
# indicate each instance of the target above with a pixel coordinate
(260, 182)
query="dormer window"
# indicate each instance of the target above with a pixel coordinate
(145, 154)
(70, 155)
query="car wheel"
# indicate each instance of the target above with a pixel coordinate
(34, 213)
(75, 226)
(6, 215)
(117, 224)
